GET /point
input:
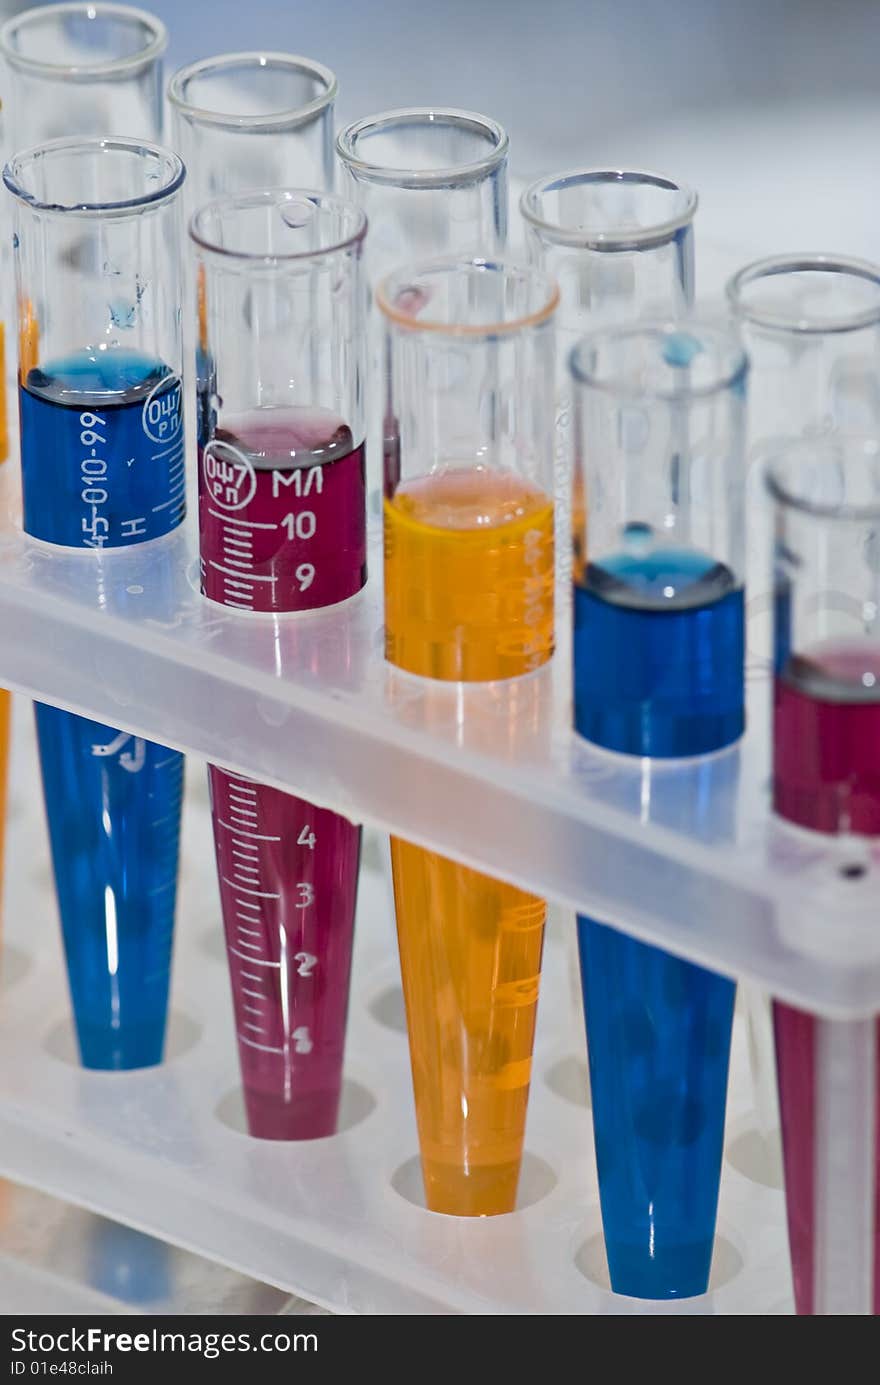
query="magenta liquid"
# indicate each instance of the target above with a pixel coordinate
(282, 512)
(826, 776)
(288, 885)
(283, 528)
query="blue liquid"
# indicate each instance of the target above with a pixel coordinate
(113, 801)
(658, 652)
(658, 1032)
(102, 450)
(658, 671)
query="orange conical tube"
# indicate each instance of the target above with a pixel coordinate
(469, 597)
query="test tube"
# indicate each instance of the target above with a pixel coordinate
(282, 523)
(468, 599)
(658, 672)
(79, 68)
(811, 326)
(82, 69)
(98, 282)
(246, 121)
(620, 242)
(826, 778)
(432, 181)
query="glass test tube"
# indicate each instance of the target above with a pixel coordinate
(468, 598)
(282, 522)
(432, 182)
(82, 69)
(826, 759)
(811, 327)
(97, 273)
(620, 242)
(248, 121)
(78, 68)
(658, 671)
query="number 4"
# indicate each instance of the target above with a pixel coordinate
(306, 837)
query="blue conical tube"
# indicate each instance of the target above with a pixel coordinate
(658, 672)
(113, 800)
(113, 808)
(98, 279)
(658, 1027)
(659, 1041)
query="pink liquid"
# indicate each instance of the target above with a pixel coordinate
(826, 776)
(282, 512)
(288, 914)
(283, 528)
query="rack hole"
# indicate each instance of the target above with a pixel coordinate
(536, 1181)
(14, 967)
(757, 1157)
(182, 1036)
(569, 1078)
(854, 870)
(590, 1259)
(388, 1009)
(356, 1104)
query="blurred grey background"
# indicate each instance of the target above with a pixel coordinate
(770, 107)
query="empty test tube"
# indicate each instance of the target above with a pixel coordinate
(282, 524)
(82, 69)
(658, 672)
(826, 778)
(468, 599)
(243, 122)
(620, 244)
(103, 467)
(433, 181)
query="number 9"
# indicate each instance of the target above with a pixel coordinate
(305, 575)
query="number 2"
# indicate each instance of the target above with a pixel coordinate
(307, 963)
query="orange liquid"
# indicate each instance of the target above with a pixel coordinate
(469, 596)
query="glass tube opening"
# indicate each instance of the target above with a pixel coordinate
(82, 42)
(834, 478)
(109, 176)
(255, 91)
(467, 297)
(423, 147)
(608, 209)
(807, 294)
(277, 226)
(659, 361)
